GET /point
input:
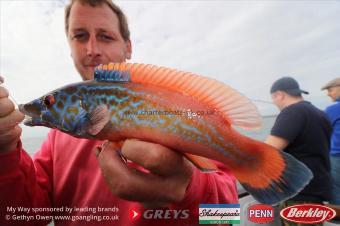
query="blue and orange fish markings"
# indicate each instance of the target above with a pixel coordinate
(190, 129)
(186, 127)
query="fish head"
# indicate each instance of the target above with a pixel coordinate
(72, 109)
(63, 109)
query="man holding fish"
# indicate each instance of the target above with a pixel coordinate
(65, 172)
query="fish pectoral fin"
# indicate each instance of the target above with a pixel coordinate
(203, 164)
(98, 118)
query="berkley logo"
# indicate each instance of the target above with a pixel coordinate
(260, 213)
(307, 213)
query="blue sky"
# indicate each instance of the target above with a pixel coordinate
(245, 44)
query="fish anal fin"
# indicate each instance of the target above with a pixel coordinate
(203, 164)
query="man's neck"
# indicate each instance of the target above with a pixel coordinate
(293, 100)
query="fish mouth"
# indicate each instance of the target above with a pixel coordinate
(28, 120)
(32, 114)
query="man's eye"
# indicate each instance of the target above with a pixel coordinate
(105, 37)
(81, 36)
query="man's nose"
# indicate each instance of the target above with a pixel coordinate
(92, 48)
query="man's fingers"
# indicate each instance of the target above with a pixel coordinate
(3, 92)
(11, 120)
(132, 184)
(2, 80)
(154, 157)
(7, 106)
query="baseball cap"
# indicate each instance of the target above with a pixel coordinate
(288, 85)
(333, 83)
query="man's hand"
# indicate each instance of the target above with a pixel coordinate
(169, 176)
(9, 119)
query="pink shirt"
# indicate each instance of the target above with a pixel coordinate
(65, 173)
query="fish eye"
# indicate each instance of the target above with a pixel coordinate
(49, 100)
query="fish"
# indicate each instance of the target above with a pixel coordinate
(189, 113)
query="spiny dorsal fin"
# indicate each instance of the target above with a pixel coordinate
(233, 106)
(103, 73)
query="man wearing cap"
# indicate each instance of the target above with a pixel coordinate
(303, 131)
(333, 112)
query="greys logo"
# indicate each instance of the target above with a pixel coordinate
(166, 214)
(160, 214)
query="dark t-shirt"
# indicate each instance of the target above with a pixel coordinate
(308, 131)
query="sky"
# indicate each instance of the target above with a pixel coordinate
(245, 44)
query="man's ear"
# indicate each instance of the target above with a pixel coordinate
(128, 51)
(69, 45)
(282, 95)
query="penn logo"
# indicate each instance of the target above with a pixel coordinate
(308, 213)
(260, 213)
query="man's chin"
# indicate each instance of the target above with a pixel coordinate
(88, 73)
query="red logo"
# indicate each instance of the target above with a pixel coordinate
(260, 213)
(307, 213)
(133, 214)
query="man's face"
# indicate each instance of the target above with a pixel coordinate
(334, 92)
(94, 38)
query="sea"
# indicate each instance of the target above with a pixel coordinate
(32, 143)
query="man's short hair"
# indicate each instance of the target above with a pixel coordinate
(123, 24)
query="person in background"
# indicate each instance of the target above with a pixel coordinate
(303, 131)
(333, 112)
(65, 172)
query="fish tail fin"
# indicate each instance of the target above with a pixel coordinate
(274, 177)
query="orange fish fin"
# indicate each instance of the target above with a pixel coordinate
(203, 164)
(229, 103)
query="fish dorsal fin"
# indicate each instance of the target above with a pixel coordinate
(233, 106)
(105, 73)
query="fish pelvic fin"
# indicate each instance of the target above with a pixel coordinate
(203, 164)
(233, 106)
(276, 177)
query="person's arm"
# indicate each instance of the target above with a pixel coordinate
(9, 119)
(288, 125)
(277, 142)
(22, 183)
(25, 183)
